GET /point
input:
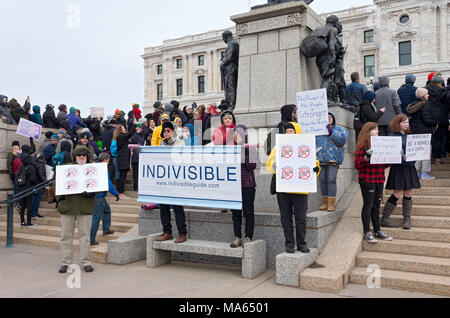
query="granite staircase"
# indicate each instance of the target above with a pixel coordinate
(417, 260)
(47, 233)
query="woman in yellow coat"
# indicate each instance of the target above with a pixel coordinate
(292, 203)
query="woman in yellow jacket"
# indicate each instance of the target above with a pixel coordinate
(292, 203)
(156, 138)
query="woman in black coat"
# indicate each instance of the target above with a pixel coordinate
(124, 154)
(440, 107)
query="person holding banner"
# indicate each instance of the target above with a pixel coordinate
(371, 180)
(422, 123)
(330, 156)
(248, 167)
(292, 202)
(403, 178)
(171, 140)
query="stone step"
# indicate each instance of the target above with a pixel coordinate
(405, 263)
(428, 191)
(433, 222)
(441, 174)
(119, 208)
(99, 254)
(427, 200)
(420, 234)
(127, 217)
(444, 167)
(435, 183)
(416, 282)
(116, 226)
(433, 249)
(49, 230)
(422, 210)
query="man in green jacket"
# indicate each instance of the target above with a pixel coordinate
(76, 208)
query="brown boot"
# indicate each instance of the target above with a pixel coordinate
(181, 239)
(237, 242)
(331, 204)
(165, 237)
(324, 207)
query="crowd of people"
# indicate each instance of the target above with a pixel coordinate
(116, 140)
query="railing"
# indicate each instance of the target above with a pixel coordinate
(11, 199)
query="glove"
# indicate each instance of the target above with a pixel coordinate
(117, 198)
(316, 170)
(369, 152)
(330, 130)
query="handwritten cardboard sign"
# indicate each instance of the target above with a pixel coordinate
(29, 129)
(418, 147)
(386, 150)
(312, 112)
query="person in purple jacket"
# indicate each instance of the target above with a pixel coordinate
(248, 167)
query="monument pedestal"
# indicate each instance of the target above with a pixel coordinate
(271, 68)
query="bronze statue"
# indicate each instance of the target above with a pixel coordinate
(324, 44)
(229, 69)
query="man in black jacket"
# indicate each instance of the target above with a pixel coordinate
(49, 118)
(4, 111)
(41, 175)
(29, 173)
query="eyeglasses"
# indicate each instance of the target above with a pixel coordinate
(167, 131)
(81, 155)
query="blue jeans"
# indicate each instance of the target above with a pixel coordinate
(37, 202)
(328, 180)
(116, 169)
(102, 211)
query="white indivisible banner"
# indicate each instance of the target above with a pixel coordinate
(418, 147)
(191, 176)
(386, 150)
(296, 159)
(75, 179)
(28, 129)
(312, 112)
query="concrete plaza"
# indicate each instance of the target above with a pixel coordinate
(32, 272)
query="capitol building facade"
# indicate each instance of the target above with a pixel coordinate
(389, 37)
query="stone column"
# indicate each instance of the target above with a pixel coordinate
(168, 69)
(186, 74)
(210, 72)
(444, 29)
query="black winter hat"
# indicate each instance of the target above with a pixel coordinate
(167, 125)
(157, 104)
(175, 103)
(286, 112)
(227, 113)
(288, 126)
(49, 134)
(15, 143)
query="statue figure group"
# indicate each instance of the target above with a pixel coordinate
(229, 69)
(324, 44)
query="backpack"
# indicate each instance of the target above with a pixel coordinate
(359, 121)
(58, 159)
(270, 141)
(21, 179)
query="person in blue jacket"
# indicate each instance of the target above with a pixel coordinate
(330, 154)
(102, 210)
(188, 136)
(36, 116)
(407, 93)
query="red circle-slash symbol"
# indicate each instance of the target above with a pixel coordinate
(71, 173)
(91, 171)
(304, 152)
(287, 152)
(287, 174)
(71, 185)
(304, 173)
(91, 183)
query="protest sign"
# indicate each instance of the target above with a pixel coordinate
(27, 128)
(49, 172)
(386, 150)
(418, 147)
(296, 159)
(75, 179)
(97, 112)
(312, 112)
(207, 177)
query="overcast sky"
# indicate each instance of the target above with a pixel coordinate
(86, 53)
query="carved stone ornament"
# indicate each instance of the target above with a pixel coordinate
(405, 35)
(242, 29)
(295, 19)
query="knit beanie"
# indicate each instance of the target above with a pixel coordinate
(421, 92)
(369, 96)
(54, 137)
(135, 105)
(72, 110)
(288, 126)
(15, 143)
(137, 113)
(437, 79)
(430, 76)
(117, 112)
(175, 103)
(48, 134)
(103, 156)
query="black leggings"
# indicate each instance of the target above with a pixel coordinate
(248, 209)
(372, 194)
(122, 180)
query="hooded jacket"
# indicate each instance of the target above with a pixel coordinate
(65, 137)
(137, 139)
(223, 136)
(74, 120)
(407, 93)
(77, 204)
(175, 141)
(156, 138)
(273, 156)
(4, 111)
(124, 154)
(62, 116)
(333, 147)
(192, 140)
(439, 104)
(107, 137)
(248, 155)
(49, 119)
(388, 98)
(31, 178)
(368, 111)
(36, 116)
(422, 120)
